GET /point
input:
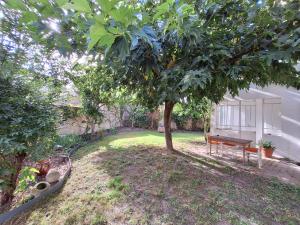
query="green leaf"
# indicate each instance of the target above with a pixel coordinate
(61, 2)
(123, 15)
(16, 4)
(28, 17)
(34, 170)
(99, 34)
(161, 9)
(78, 5)
(107, 5)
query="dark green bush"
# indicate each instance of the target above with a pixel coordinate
(67, 141)
(140, 118)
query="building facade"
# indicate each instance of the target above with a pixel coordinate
(271, 113)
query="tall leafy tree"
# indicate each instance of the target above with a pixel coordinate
(28, 124)
(94, 84)
(165, 51)
(27, 116)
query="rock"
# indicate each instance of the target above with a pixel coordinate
(173, 125)
(52, 176)
(161, 127)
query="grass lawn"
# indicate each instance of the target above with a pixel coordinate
(130, 179)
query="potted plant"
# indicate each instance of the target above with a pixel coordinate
(267, 148)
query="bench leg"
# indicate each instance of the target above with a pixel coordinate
(244, 155)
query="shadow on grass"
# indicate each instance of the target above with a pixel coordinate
(126, 140)
(144, 184)
(172, 189)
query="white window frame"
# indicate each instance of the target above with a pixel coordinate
(274, 130)
(233, 113)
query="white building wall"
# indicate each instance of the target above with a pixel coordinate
(287, 141)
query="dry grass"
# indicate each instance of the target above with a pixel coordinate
(124, 180)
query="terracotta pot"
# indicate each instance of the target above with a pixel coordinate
(267, 152)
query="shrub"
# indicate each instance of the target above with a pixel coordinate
(139, 118)
(68, 141)
(28, 125)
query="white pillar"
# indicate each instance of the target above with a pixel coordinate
(240, 118)
(259, 120)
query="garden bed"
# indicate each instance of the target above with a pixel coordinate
(25, 201)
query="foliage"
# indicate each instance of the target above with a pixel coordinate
(69, 112)
(267, 144)
(28, 86)
(67, 141)
(177, 48)
(113, 130)
(27, 175)
(27, 118)
(139, 117)
(167, 51)
(28, 125)
(116, 183)
(194, 110)
(95, 91)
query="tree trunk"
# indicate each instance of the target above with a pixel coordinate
(167, 124)
(7, 195)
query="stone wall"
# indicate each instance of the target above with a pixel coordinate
(78, 124)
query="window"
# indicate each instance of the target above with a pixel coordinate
(229, 115)
(248, 115)
(272, 116)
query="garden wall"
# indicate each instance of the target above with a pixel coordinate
(77, 125)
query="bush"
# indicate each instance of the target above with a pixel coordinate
(28, 126)
(191, 110)
(67, 141)
(139, 118)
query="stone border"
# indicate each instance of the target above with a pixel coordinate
(29, 205)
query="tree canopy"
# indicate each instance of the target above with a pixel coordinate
(165, 51)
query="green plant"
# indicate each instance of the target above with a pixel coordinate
(116, 183)
(113, 130)
(99, 219)
(139, 117)
(27, 176)
(28, 127)
(168, 51)
(267, 144)
(68, 141)
(69, 112)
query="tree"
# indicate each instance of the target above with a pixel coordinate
(195, 110)
(170, 50)
(93, 83)
(27, 117)
(28, 124)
